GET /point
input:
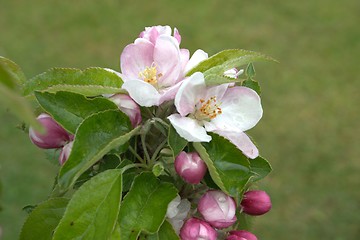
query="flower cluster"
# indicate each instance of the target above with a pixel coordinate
(174, 115)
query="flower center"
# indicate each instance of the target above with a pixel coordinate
(207, 110)
(150, 75)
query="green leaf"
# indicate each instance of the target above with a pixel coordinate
(176, 142)
(43, 220)
(214, 79)
(116, 233)
(95, 137)
(11, 74)
(254, 85)
(93, 210)
(227, 59)
(144, 207)
(10, 78)
(227, 166)
(250, 71)
(70, 109)
(165, 232)
(260, 167)
(89, 82)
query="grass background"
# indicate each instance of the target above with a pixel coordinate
(310, 129)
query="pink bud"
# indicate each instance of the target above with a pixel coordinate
(241, 235)
(128, 106)
(195, 229)
(152, 33)
(256, 203)
(55, 136)
(218, 209)
(190, 167)
(65, 153)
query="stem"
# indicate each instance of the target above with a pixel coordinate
(143, 143)
(136, 155)
(158, 149)
(127, 167)
(161, 121)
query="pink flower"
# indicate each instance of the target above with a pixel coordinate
(218, 209)
(195, 229)
(65, 153)
(152, 33)
(190, 167)
(55, 136)
(256, 203)
(128, 106)
(241, 235)
(227, 111)
(152, 71)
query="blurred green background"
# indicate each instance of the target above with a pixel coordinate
(310, 129)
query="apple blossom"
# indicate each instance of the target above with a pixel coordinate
(177, 211)
(218, 209)
(233, 73)
(195, 229)
(128, 106)
(55, 136)
(227, 111)
(152, 33)
(241, 235)
(256, 203)
(65, 153)
(190, 167)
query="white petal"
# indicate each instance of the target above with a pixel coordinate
(142, 92)
(189, 128)
(198, 56)
(241, 110)
(169, 93)
(191, 90)
(242, 142)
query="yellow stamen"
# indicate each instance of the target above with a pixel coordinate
(150, 75)
(207, 110)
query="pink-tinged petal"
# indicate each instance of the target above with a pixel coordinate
(217, 91)
(191, 90)
(167, 60)
(177, 35)
(142, 93)
(184, 58)
(169, 93)
(136, 57)
(241, 110)
(242, 142)
(198, 56)
(189, 128)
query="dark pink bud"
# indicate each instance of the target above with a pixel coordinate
(65, 153)
(241, 234)
(128, 106)
(218, 209)
(190, 167)
(55, 136)
(195, 229)
(256, 203)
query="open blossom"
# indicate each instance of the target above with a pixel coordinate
(196, 229)
(218, 209)
(190, 167)
(129, 107)
(227, 111)
(55, 136)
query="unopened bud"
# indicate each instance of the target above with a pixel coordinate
(256, 203)
(218, 209)
(65, 153)
(128, 106)
(195, 229)
(190, 167)
(55, 136)
(241, 235)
